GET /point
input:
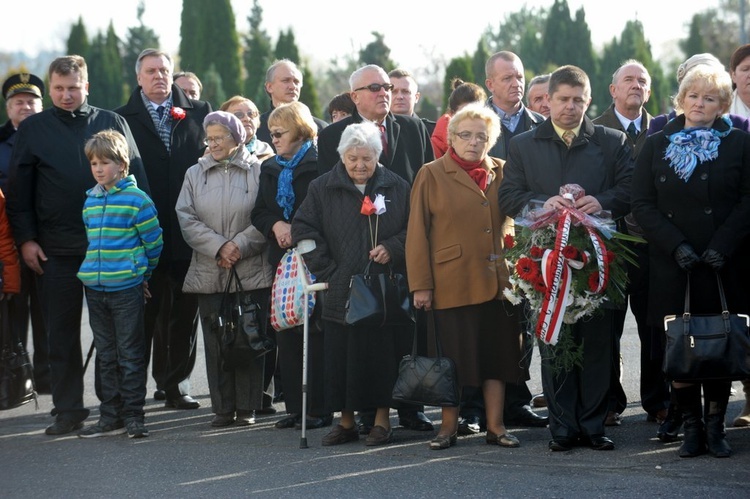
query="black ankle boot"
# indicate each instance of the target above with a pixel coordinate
(716, 400)
(694, 439)
(670, 428)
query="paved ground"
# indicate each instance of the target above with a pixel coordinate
(184, 457)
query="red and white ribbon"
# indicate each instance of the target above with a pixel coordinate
(557, 274)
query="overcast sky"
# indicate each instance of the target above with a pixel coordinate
(416, 31)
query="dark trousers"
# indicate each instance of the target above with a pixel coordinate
(172, 322)
(240, 389)
(577, 399)
(116, 320)
(62, 303)
(22, 306)
(654, 387)
(618, 401)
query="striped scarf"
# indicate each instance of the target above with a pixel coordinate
(163, 124)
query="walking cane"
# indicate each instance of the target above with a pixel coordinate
(306, 246)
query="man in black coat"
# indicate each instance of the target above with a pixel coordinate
(48, 179)
(540, 162)
(630, 90)
(283, 85)
(407, 144)
(168, 128)
(406, 95)
(506, 82)
(406, 147)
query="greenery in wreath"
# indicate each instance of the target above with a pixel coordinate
(566, 265)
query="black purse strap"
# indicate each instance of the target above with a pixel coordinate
(722, 298)
(438, 349)
(225, 306)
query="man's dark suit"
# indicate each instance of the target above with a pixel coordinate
(409, 145)
(170, 315)
(654, 388)
(599, 161)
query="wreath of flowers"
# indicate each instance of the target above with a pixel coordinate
(566, 264)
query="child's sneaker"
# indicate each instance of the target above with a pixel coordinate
(136, 429)
(103, 430)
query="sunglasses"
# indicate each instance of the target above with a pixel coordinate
(375, 87)
(249, 114)
(278, 135)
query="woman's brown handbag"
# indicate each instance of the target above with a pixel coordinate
(427, 380)
(707, 347)
(378, 300)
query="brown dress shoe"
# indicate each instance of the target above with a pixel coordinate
(340, 435)
(379, 436)
(441, 442)
(504, 440)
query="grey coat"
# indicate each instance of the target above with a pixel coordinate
(214, 207)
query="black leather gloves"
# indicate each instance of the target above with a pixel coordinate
(713, 259)
(685, 256)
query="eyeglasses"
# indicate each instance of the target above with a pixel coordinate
(375, 87)
(216, 140)
(467, 136)
(249, 114)
(278, 135)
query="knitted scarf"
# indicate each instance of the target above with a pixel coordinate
(694, 145)
(284, 191)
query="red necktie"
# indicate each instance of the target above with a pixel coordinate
(383, 139)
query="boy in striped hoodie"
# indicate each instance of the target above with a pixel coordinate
(124, 247)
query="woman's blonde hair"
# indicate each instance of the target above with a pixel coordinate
(295, 117)
(708, 78)
(476, 111)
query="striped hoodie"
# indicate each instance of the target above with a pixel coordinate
(124, 237)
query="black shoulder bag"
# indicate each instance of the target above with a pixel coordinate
(243, 338)
(378, 300)
(707, 347)
(426, 380)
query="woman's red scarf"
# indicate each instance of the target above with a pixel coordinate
(473, 168)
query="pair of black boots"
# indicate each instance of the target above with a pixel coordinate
(703, 423)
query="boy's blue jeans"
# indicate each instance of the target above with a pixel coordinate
(116, 319)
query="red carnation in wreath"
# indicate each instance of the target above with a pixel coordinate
(536, 252)
(570, 252)
(508, 241)
(610, 256)
(527, 269)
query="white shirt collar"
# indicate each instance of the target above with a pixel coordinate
(625, 122)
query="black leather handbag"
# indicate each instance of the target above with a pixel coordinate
(378, 300)
(430, 381)
(243, 337)
(16, 372)
(707, 347)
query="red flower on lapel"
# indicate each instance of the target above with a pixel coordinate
(177, 113)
